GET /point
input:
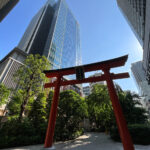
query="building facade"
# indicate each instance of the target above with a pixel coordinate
(140, 77)
(100, 82)
(142, 84)
(137, 13)
(134, 12)
(6, 6)
(54, 33)
(146, 46)
(9, 65)
(86, 91)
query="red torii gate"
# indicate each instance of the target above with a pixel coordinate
(105, 66)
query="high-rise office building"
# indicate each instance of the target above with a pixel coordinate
(146, 46)
(54, 33)
(142, 84)
(140, 77)
(134, 12)
(6, 6)
(137, 13)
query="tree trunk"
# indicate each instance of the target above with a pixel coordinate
(23, 105)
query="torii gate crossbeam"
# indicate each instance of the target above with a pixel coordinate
(105, 66)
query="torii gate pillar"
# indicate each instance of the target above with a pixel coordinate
(53, 115)
(121, 123)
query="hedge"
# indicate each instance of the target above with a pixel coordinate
(140, 133)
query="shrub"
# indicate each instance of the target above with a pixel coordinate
(18, 134)
(138, 133)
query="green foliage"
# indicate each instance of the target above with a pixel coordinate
(38, 111)
(71, 111)
(14, 105)
(132, 113)
(30, 77)
(15, 134)
(32, 130)
(140, 133)
(4, 94)
(101, 112)
(37, 115)
(99, 107)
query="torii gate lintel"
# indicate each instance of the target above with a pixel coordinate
(105, 66)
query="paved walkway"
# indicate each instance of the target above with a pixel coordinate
(89, 141)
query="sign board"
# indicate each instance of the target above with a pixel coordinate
(80, 73)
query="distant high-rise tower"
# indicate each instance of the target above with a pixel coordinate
(6, 6)
(54, 33)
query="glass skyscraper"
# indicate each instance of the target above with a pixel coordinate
(54, 33)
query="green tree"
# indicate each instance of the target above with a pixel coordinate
(71, 111)
(99, 107)
(4, 94)
(129, 103)
(30, 77)
(101, 112)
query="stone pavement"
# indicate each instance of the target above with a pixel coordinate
(88, 141)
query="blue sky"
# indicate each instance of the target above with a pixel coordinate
(104, 32)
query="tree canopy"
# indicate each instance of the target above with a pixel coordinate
(101, 111)
(132, 112)
(30, 77)
(99, 107)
